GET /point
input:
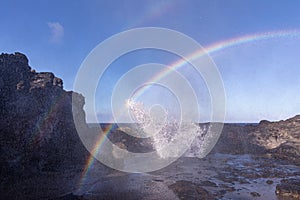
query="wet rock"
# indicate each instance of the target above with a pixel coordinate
(289, 187)
(255, 194)
(70, 196)
(228, 188)
(124, 134)
(270, 182)
(158, 180)
(220, 193)
(208, 183)
(189, 190)
(243, 181)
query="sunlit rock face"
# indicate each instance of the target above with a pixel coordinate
(273, 134)
(37, 130)
(281, 138)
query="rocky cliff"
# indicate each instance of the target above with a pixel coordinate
(278, 139)
(281, 139)
(37, 132)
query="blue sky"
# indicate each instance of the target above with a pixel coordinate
(261, 78)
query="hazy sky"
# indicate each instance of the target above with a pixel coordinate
(261, 77)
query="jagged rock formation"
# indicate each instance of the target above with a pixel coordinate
(273, 134)
(281, 139)
(289, 188)
(235, 140)
(37, 130)
(278, 139)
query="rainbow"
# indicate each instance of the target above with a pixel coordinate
(43, 123)
(215, 47)
(218, 46)
(90, 161)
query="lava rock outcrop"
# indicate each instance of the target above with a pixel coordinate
(37, 131)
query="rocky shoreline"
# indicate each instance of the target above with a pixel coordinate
(280, 140)
(42, 156)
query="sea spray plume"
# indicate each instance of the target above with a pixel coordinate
(167, 132)
(145, 122)
(157, 38)
(138, 112)
(215, 47)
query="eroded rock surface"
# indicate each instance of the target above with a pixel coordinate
(189, 190)
(280, 139)
(37, 131)
(289, 188)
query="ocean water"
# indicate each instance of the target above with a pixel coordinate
(170, 136)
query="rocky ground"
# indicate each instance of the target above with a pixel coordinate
(232, 170)
(42, 156)
(218, 176)
(280, 140)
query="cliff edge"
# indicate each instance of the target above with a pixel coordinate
(37, 131)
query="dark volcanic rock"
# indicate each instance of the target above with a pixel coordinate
(235, 140)
(279, 139)
(37, 130)
(255, 194)
(289, 187)
(69, 197)
(121, 135)
(188, 190)
(208, 183)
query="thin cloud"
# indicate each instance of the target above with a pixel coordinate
(57, 31)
